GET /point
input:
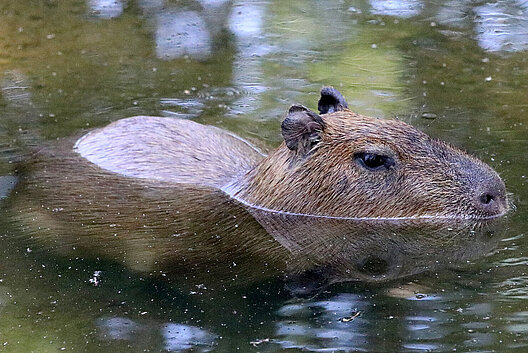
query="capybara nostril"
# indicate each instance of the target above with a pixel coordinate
(491, 197)
(486, 198)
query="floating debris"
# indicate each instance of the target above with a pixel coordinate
(259, 341)
(350, 318)
(430, 116)
(96, 278)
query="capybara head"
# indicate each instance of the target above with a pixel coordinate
(344, 164)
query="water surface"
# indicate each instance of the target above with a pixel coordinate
(457, 70)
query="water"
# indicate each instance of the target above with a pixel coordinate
(455, 69)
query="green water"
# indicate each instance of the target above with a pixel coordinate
(67, 66)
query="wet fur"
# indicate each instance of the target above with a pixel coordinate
(430, 178)
(163, 195)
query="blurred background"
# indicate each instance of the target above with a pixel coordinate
(457, 70)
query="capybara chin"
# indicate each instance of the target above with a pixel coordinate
(338, 164)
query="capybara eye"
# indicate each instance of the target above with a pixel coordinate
(373, 161)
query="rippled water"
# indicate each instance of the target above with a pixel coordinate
(457, 70)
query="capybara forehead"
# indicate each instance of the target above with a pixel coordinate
(359, 131)
(347, 123)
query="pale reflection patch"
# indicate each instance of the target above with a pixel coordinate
(180, 337)
(175, 337)
(182, 33)
(402, 8)
(502, 26)
(118, 328)
(106, 8)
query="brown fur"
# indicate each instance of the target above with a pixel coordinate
(174, 196)
(429, 179)
(195, 234)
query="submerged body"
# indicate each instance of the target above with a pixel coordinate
(168, 195)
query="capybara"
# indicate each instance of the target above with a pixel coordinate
(339, 164)
(167, 196)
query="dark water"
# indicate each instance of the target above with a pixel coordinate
(458, 70)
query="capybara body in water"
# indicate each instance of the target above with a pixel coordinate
(168, 195)
(339, 164)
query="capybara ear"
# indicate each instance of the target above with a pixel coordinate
(302, 129)
(331, 101)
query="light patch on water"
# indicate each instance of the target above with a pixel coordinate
(176, 337)
(502, 26)
(514, 287)
(514, 261)
(324, 332)
(454, 13)
(518, 328)
(187, 108)
(180, 337)
(15, 89)
(7, 183)
(246, 23)
(182, 33)
(213, 3)
(106, 9)
(396, 8)
(118, 328)
(423, 347)
(517, 322)
(246, 20)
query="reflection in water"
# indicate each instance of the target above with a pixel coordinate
(176, 337)
(398, 8)
(335, 250)
(502, 26)
(182, 33)
(179, 337)
(106, 8)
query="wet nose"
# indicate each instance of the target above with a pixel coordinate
(490, 197)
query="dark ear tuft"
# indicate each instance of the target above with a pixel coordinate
(302, 129)
(331, 101)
